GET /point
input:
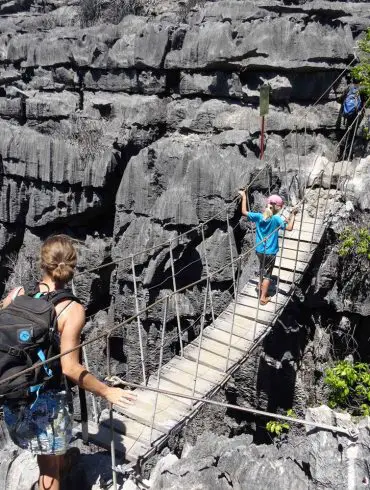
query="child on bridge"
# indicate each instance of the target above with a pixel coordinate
(268, 225)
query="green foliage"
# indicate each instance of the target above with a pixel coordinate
(366, 133)
(362, 71)
(276, 428)
(349, 386)
(355, 241)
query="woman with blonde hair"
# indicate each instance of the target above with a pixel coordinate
(268, 225)
(44, 426)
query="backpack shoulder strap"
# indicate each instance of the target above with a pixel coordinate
(59, 295)
(16, 292)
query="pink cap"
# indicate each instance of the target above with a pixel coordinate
(275, 199)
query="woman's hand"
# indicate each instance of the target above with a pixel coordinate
(118, 396)
(242, 192)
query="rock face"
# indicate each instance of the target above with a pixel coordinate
(127, 135)
(319, 459)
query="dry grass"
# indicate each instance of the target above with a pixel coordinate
(97, 11)
(23, 270)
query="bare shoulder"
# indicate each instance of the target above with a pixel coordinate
(72, 316)
(19, 291)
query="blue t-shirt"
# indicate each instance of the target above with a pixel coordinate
(265, 228)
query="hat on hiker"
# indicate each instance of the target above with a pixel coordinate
(276, 200)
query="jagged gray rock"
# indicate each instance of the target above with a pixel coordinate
(301, 462)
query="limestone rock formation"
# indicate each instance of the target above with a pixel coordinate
(126, 135)
(318, 459)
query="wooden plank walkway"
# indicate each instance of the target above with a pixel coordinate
(224, 345)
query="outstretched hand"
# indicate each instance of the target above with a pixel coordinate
(118, 396)
(242, 192)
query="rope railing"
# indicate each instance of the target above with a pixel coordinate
(348, 431)
(133, 317)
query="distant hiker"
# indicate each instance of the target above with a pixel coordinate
(268, 225)
(351, 111)
(39, 417)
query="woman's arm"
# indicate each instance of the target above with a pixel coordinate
(71, 328)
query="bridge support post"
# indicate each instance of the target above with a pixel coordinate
(259, 295)
(234, 312)
(278, 278)
(231, 250)
(111, 428)
(160, 365)
(85, 429)
(299, 242)
(286, 177)
(176, 301)
(350, 151)
(299, 163)
(317, 209)
(208, 275)
(202, 321)
(138, 319)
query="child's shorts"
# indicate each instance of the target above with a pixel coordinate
(267, 263)
(43, 427)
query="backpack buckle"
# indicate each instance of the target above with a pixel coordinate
(15, 352)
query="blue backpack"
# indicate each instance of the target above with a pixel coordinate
(352, 102)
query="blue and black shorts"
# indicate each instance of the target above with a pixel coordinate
(43, 427)
(267, 263)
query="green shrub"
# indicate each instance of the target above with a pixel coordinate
(349, 385)
(355, 241)
(362, 71)
(276, 427)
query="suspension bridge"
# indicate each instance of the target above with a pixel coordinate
(174, 394)
(206, 363)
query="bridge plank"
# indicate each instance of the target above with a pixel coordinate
(247, 332)
(166, 416)
(188, 366)
(286, 276)
(207, 358)
(220, 349)
(240, 321)
(169, 385)
(290, 264)
(262, 315)
(286, 253)
(182, 378)
(292, 244)
(224, 337)
(100, 435)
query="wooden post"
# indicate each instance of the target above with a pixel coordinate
(264, 109)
